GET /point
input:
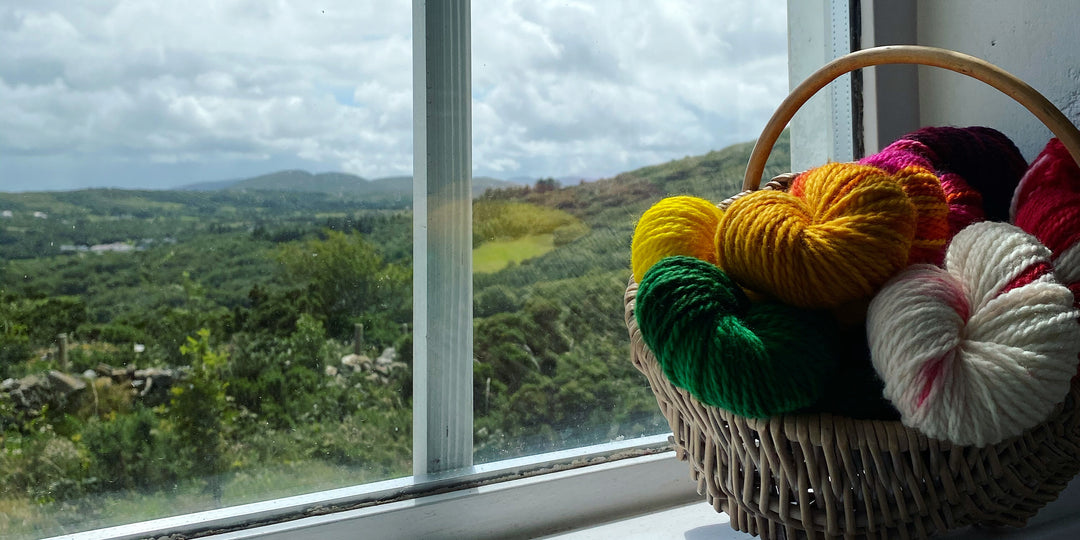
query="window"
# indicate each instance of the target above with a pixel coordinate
(564, 101)
(589, 121)
(202, 303)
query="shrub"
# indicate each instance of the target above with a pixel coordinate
(568, 233)
(131, 451)
(40, 464)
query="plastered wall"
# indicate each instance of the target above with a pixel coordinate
(1038, 41)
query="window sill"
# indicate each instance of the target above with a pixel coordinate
(698, 521)
(583, 493)
(526, 508)
(530, 496)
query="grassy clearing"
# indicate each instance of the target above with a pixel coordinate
(495, 255)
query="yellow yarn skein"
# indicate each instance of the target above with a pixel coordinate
(680, 225)
(848, 231)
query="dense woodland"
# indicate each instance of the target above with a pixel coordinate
(249, 301)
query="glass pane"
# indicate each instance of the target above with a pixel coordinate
(205, 255)
(584, 114)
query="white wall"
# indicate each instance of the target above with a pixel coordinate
(1038, 41)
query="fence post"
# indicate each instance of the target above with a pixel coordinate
(358, 338)
(63, 341)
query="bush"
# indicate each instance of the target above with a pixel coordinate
(111, 333)
(199, 412)
(84, 356)
(131, 451)
(568, 233)
(102, 399)
(14, 351)
(495, 299)
(41, 465)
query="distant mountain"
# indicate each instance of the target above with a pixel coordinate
(335, 183)
(206, 186)
(571, 180)
(294, 180)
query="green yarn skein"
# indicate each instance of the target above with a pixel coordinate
(754, 359)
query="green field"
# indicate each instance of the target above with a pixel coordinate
(498, 254)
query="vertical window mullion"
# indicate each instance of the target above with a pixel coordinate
(841, 94)
(442, 237)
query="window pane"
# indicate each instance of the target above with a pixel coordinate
(191, 338)
(584, 114)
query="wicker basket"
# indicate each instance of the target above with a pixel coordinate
(825, 476)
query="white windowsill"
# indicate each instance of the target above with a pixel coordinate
(525, 508)
(1059, 520)
(540, 494)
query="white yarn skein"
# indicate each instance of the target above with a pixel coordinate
(1067, 265)
(961, 360)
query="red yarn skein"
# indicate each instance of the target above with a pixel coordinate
(1047, 205)
(1053, 167)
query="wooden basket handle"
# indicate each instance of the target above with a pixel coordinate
(971, 66)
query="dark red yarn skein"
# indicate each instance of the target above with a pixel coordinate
(984, 157)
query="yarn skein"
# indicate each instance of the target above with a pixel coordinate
(982, 349)
(981, 156)
(924, 189)
(1047, 205)
(855, 390)
(932, 210)
(680, 225)
(753, 359)
(1054, 168)
(964, 202)
(848, 231)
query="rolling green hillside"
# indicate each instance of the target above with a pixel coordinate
(251, 296)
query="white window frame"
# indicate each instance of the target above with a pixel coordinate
(448, 496)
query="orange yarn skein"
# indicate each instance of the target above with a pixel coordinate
(680, 225)
(924, 189)
(848, 231)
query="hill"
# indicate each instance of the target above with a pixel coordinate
(253, 294)
(335, 183)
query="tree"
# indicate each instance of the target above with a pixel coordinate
(345, 277)
(199, 411)
(545, 185)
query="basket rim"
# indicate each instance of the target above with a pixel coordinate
(976, 68)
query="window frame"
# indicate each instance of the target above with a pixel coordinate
(404, 506)
(538, 494)
(442, 237)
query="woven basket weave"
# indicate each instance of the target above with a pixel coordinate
(827, 476)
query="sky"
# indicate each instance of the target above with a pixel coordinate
(152, 95)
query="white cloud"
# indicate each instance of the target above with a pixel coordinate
(595, 88)
(559, 87)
